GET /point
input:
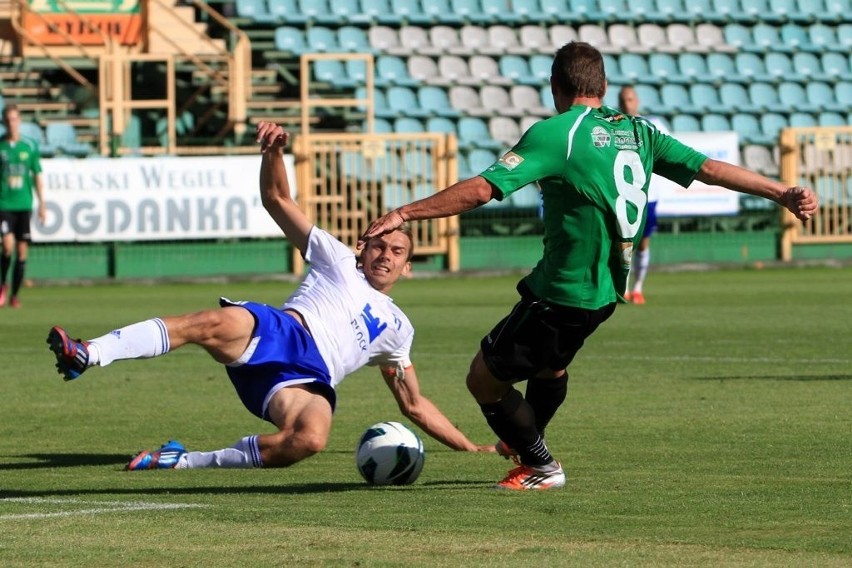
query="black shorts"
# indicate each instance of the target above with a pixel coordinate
(538, 336)
(17, 223)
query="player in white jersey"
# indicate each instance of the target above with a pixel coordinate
(286, 362)
(628, 103)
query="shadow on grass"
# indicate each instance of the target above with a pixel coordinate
(65, 460)
(804, 378)
(294, 489)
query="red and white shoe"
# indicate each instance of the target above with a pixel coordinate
(506, 452)
(527, 478)
(637, 298)
(3, 293)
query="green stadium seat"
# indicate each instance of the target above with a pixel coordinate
(832, 11)
(735, 97)
(715, 123)
(760, 11)
(530, 11)
(673, 98)
(613, 10)
(751, 66)
(808, 66)
(843, 94)
(480, 160)
(441, 124)
(322, 39)
(380, 126)
(435, 102)
(318, 12)
(333, 71)
(731, 11)
(403, 102)
(348, 11)
(722, 67)
(558, 11)
(765, 97)
(353, 40)
(664, 67)
(831, 119)
(821, 97)
(693, 66)
(844, 35)
(789, 10)
(441, 12)
(634, 68)
(500, 12)
(473, 133)
(780, 67)
(705, 97)
(767, 38)
(356, 70)
(771, 124)
(685, 123)
(802, 119)
(470, 11)
(290, 40)
(748, 127)
(650, 97)
(407, 124)
(410, 12)
(255, 10)
(584, 11)
(287, 12)
(835, 66)
(669, 11)
(824, 38)
(793, 97)
(703, 11)
(739, 36)
(63, 137)
(517, 69)
(392, 70)
(540, 66)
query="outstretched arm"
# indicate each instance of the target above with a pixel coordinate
(275, 188)
(458, 198)
(800, 201)
(425, 414)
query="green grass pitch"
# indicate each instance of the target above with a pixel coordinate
(710, 427)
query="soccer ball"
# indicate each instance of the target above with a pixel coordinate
(389, 453)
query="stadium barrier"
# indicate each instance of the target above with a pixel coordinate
(820, 158)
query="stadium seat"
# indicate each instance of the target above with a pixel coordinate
(322, 39)
(547, 97)
(452, 69)
(759, 158)
(808, 67)
(682, 38)
(422, 68)
(613, 73)
(739, 36)
(796, 38)
(382, 38)
(748, 127)
(685, 123)
(735, 97)
(835, 66)
(34, 132)
(759, 10)
(560, 35)
(771, 124)
(669, 11)
(486, 69)
(751, 65)
(780, 67)
(789, 10)
(379, 12)
(476, 40)
(504, 130)
(535, 39)
(540, 66)
(650, 97)
(843, 94)
(529, 98)
(824, 37)
(407, 124)
(255, 10)
(730, 10)
(441, 12)
(411, 12)
(675, 98)
(767, 38)
(596, 36)
(445, 39)
(353, 40)
(413, 39)
(435, 102)
(318, 12)
(496, 100)
(831, 119)
(402, 101)
(356, 70)
(392, 70)
(635, 68)
(833, 11)
(584, 11)
(793, 96)
(500, 12)
(441, 124)
(470, 11)
(380, 126)
(765, 97)
(290, 40)
(349, 11)
(354, 165)
(287, 12)
(466, 99)
(63, 137)
(664, 67)
(715, 123)
(821, 97)
(557, 11)
(517, 69)
(530, 11)
(622, 37)
(702, 11)
(480, 160)
(722, 67)
(381, 108)
(705, 97)
(710, 38)
(506, 40)
(419, 166)
(844, 36)
(693, 66)
(474, 133)
(802, 119)
(652, 37)
(332, 71)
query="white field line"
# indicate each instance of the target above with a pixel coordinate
(105, 507)
(687, 358)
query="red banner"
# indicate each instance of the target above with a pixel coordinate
(55, 29)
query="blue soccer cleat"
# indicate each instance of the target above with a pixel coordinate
(72, 356)
(165, 458)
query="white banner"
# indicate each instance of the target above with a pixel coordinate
(163, 198)
(700, 198)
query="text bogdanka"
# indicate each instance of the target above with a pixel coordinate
(152, 211)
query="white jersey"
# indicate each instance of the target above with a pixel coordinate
(352, 323)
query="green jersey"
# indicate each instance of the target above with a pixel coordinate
(593, 166)
(20, 162)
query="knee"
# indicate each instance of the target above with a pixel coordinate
(293, 448)
(482, 385)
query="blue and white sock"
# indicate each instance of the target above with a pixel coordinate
(141, 340)
(243, 454)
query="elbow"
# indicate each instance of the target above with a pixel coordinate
(484, 191)
(710, 171)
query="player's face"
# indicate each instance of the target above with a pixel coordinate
(384, 259)
(12, 121)
(629, 102)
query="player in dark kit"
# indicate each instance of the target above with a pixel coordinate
(593, 165)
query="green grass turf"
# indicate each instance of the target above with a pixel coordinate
(710, 427)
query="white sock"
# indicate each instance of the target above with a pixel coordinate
(643, 259)
(244, 453)
(141, 340)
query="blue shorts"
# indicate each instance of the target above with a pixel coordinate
(651, 220)
(282, 353)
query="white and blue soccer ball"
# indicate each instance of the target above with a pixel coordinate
(389, 453)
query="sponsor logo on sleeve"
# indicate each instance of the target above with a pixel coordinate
(600, 137)
(510, 160)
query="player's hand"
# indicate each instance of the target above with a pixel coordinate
(800, 201)
(384, 224)
(42, 213)
(271, 137)
(487, 448)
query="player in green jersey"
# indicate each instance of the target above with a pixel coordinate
(593, 165)
(20, 175)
